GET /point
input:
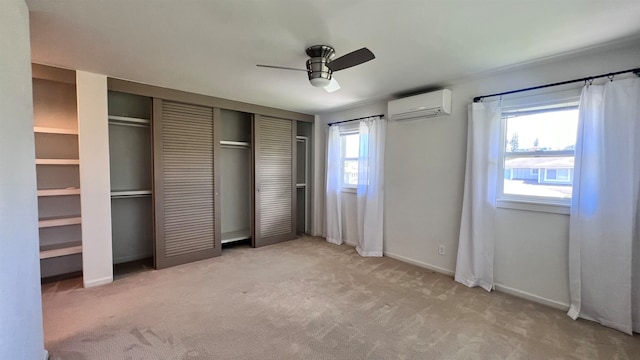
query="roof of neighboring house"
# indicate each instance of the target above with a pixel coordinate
(550, 162)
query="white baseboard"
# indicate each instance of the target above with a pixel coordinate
(502, 288)
(98, 282)
(46, 354)
(532, 297)
(419, 263)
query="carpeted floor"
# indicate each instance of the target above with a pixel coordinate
(307, 299)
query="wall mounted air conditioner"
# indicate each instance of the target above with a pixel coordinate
(430, 104)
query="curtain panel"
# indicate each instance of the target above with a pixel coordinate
(371, 186)
(474, 266)
(333, 202)
(604, 238)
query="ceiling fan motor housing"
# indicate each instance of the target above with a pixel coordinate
(317, 70)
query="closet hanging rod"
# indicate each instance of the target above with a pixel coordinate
(584, 79)
(129, 124)
(234, 143)
(360, 118)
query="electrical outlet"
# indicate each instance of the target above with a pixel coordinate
(441, 249)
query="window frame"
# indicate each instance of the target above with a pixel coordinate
(523, 106)
(348, 130)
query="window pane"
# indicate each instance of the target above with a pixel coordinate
(351, 145)
(350, 172)
(552, 177)
(530, 132)
(545, 131)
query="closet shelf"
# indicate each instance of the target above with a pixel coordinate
(301, 185)
(130, 193)
(59, 221)
(57, 162)
(126, 120)
(49, 130)
(231, 236)
(63, 249)
(59, 192)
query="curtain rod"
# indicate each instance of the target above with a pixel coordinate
(585, 79)
(360, 118)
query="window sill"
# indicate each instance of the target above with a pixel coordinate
(534, 206)
(351, 190)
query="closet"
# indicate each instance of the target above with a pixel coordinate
(221, 172)
(57, 168)
(130, 168)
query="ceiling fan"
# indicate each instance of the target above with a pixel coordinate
(321, 66)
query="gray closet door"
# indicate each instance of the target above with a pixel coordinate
(275, 187)
(185, 183)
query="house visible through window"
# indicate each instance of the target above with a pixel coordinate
(350, 149)
(538, 153)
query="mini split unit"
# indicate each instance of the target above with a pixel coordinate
(426, 105)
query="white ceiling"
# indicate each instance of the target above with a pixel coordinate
(212, 47)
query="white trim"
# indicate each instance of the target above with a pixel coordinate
(45, 355)
(420, 264)
(501, 288)
(532, 297)
(98, 282)
(534, 206)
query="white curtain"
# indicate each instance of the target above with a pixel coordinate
(371, 186)
(333, 202)
(474, 266)
(604, 240)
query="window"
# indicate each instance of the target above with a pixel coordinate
(538, 154)
(350, 150)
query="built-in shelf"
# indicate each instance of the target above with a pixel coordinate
(126, 120)
(235, 143)
(59, 192)
(51, 251)
(57, 162)
(48, 130)
(59, 221)
(236, 236)
(130, 193)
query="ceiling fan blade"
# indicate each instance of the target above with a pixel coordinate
(281, 67)
(351, 59)
(333, 86)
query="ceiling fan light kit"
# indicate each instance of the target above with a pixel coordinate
(320, 65)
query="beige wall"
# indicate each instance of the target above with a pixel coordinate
(424, 175)
(21, 334)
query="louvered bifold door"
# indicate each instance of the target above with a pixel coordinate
(185, 185)
(275, 187)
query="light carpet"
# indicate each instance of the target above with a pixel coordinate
(307, 299)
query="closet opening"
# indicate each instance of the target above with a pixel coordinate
(236, 164)
(131, 167)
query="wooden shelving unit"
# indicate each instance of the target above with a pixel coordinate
(58, 171)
